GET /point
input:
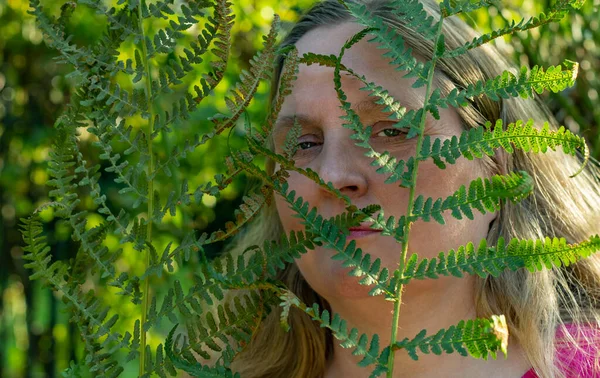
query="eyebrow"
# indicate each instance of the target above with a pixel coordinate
(286, 122)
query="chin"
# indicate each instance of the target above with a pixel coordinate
(337, 283)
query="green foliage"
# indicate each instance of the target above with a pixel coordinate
(508, 85)
(387, 38)
(86, 311)
(338, 326)
(452, 7)
(556, 12)
(533, 255)
(478, 338)
(483, 195)
(131, 98)
(477, 141)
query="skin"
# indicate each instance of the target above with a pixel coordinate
(326, 147)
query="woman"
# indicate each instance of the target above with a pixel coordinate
(536, 305)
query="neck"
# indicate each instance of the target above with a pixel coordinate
(421, 309)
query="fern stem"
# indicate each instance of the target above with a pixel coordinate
(145, 302)
(411, 199)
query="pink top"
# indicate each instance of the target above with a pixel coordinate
(577, 363)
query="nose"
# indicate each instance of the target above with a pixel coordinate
(341, 162)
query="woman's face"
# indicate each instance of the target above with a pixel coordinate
(325, 147)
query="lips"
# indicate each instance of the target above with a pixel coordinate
(362, 231)
(365, 227)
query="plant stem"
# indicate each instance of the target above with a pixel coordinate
(411, 197)
(146, 286)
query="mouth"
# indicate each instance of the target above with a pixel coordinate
(361, 232)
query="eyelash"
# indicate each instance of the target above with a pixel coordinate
(387, 139)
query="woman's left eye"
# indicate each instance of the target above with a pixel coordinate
(390, 133)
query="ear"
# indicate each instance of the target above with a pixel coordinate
(492, 219)
(491, 166)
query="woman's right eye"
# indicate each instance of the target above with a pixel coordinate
(303, 145)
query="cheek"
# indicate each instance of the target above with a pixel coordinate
(289, 218)
(285, 214)
(430, 238)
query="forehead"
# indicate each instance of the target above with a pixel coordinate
(313, 93)
(330, 39)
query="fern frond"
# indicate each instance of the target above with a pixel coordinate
(249, 210)
(91, 178)
(290, 145)
(159, 9)
(412, 12)
(333, 238)
(193, 56)
(388, 39)
(222, 24)
(531, 254)
(338, 326)
(206, 331)
(161, 365)
(275, 255)
(483, 195)
(36, 250)
(478, 338)
(388, 226)
(260, 69)
(387, 163)
(86, 309)
(222, 181)
(62, 158)
(194, 369)
(133, 177)
(451, 7)
(507, 85)
(225, 326)
(180, 152)
(218, 32)
(71, 54)
(65, 193)
(477, 141)
(119, 101)
(286, 165)
(217, 275)
(405, 118)
(556, 12)
(236, 324)
(331, 60)
(287, 78)
(99, 355)
(119, 20)
(205, 290)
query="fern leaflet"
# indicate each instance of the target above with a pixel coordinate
(531, 254)
(507, 85)
(556, 12)
(451, 7)
(483, 195)
(478, 338)
(477, 141)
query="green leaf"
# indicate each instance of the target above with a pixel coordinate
(451, 7)
(533, 255)
(478, 338)
(507, 85)
(557, 11)
(478, 141)
(484, 195)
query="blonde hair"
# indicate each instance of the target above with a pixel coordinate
(535, 304)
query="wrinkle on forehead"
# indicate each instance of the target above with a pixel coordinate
(329, 40)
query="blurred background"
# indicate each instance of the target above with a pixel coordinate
(36, 339)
